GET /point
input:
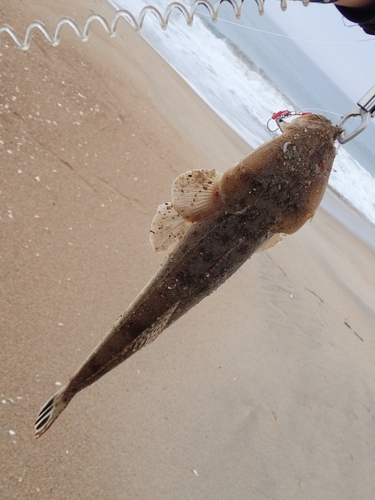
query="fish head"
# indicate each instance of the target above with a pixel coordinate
(308, 152)
(312, 122)
(285, 178)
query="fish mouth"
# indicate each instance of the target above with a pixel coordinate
(338, 131)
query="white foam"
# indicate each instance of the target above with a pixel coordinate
(354, 183)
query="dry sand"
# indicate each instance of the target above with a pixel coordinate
(263, 391)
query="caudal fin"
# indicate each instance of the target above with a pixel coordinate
(50, 411)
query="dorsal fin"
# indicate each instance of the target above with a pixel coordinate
(196, 194)
(167, 227)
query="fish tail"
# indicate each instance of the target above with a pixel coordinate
(51, 410)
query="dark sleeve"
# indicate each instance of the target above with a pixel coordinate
(365, 17)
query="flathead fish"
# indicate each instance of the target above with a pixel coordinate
(216, 222)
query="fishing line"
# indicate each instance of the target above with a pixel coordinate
(280, 35)
(319, 109)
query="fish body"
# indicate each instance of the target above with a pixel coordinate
(217, 221)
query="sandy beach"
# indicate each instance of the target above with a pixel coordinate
(265, 390)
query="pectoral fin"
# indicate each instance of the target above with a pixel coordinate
(196, 194)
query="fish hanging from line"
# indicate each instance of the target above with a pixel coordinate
(216, 222)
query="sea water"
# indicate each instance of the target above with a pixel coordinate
(246, 77)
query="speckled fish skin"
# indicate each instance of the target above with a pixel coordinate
(275, 189)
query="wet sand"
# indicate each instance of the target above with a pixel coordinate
(265, 390)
